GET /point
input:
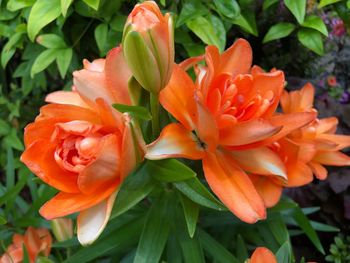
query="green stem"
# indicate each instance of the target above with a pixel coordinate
(154, 100)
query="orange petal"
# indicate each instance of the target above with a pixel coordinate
(267, 189)
(93, 220)
(263, 255)
(105, 169)
(178, 97)
(237, 59)
(332, 158)
(39, 130)
(66, 97)
(65, 203)
(39, 158)
(260, 161)
(233, 187)
(247, 132)
(109, 116)
(299, 174)
(341, 141)
(175, 141)
(117, 76)
(190, 62)
(326, 125)
(319, 170)
(97, 65)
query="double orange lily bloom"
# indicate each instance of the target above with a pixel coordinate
(83, 147)
(226, 118)
(37, 241)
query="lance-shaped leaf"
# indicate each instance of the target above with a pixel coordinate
(191, 212)
(136, 111)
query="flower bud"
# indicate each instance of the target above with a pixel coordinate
(148, 43)
(62, 228)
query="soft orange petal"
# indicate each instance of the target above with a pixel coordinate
(233, 187)
(97, 65)
(93, 220)
(248, 132)
(39, 130)
(326, 125)
(190, 62)
(299, 174)
(178, 97)
(332, 158)
(319, 170)
(39, 158)
(66, 97)
(269, 191)
(260, 161)
(175, 141)
(105, 169)
(263, 255)
(237, 59)
(109, 117)
(341, 141)
(117, 76)
(64, 203)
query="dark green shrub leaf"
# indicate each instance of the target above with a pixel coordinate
(278, 31)
(65, 5)
(14, 5)
(190, 10)
(268, 3)
(241, 249)
(203, 29)
(228, 8)
(191, 212)
(316, 23)
(6, 55)
(42, 13)
(93, 3)
(169, 170)
(297, 7)
(220, 31)
(43, 60)
(101, 32)
(4, 127)
(311, 39)
(324, 3)
(51, 41)
(63, 60)
(136, 111)
(246, 21)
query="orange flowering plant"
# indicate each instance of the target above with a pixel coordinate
(174, 154)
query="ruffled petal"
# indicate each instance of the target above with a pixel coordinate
(177, 142)
(233, 187)
(93, 220)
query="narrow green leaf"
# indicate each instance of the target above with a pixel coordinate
(324, 3)
(13, 192)
(25, 254)
(228, 8)
(43, 61)
(65, 4)
(13, 141)
(136, 111)
(101, 32)
(283, 254)
(155, 231)
(203, 29)
(51, 41)
(2, 220)
(311, 39)
(191, 212)
(246, 21)
(323, 227)
(63, 60)
(93, 3)
(191, 10)
(169, 170)
(279, 230)
(199, 194)
(4, 127)
(306, 226)
(42, 13)
(316, 23)
(10, 169)
(173, 248)
(215, 249)
(241, 249)
(134, 189)
(278, 31)
(297, 7)
(14, 5)
(43, 260)
(268, 3)
(6, 55)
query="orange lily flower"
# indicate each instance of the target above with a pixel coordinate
(83, 147)
(262, 255)
(225, 115)
(37, 241)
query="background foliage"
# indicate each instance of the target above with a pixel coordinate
(43, 42)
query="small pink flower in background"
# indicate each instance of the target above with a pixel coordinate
(332, 81)
(338, 27)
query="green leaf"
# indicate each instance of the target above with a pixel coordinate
(13, 192)
(13, 141)
(6, 55)
(134, 188)
(155, 231)
(323, 227)
(218, 252)
(42, 13)
(297, 7)
(4, 127)
(10, 169)
(14, 5)
(43, 260)
(101, 32)
(94, 4)
(118, 22)
(279, 230)
(25, 254)
(268, 3)
(246, 21)
(228, 8)
(324, 3)
(65, 4)
(278, 31)
(173, 248)
(135, 91)
(64, 60)
(43, 61)
(51, 41)
(199, 194)
(304, 223)
(311, 39)
(203, 29)
(241, 249)
(191, 212)
(136, 111)
(3, 221)
(169, 170)
(190, 10)
(220, 31)
(283, 254)
(316, 23)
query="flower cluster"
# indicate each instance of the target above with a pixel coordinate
(226, 116)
